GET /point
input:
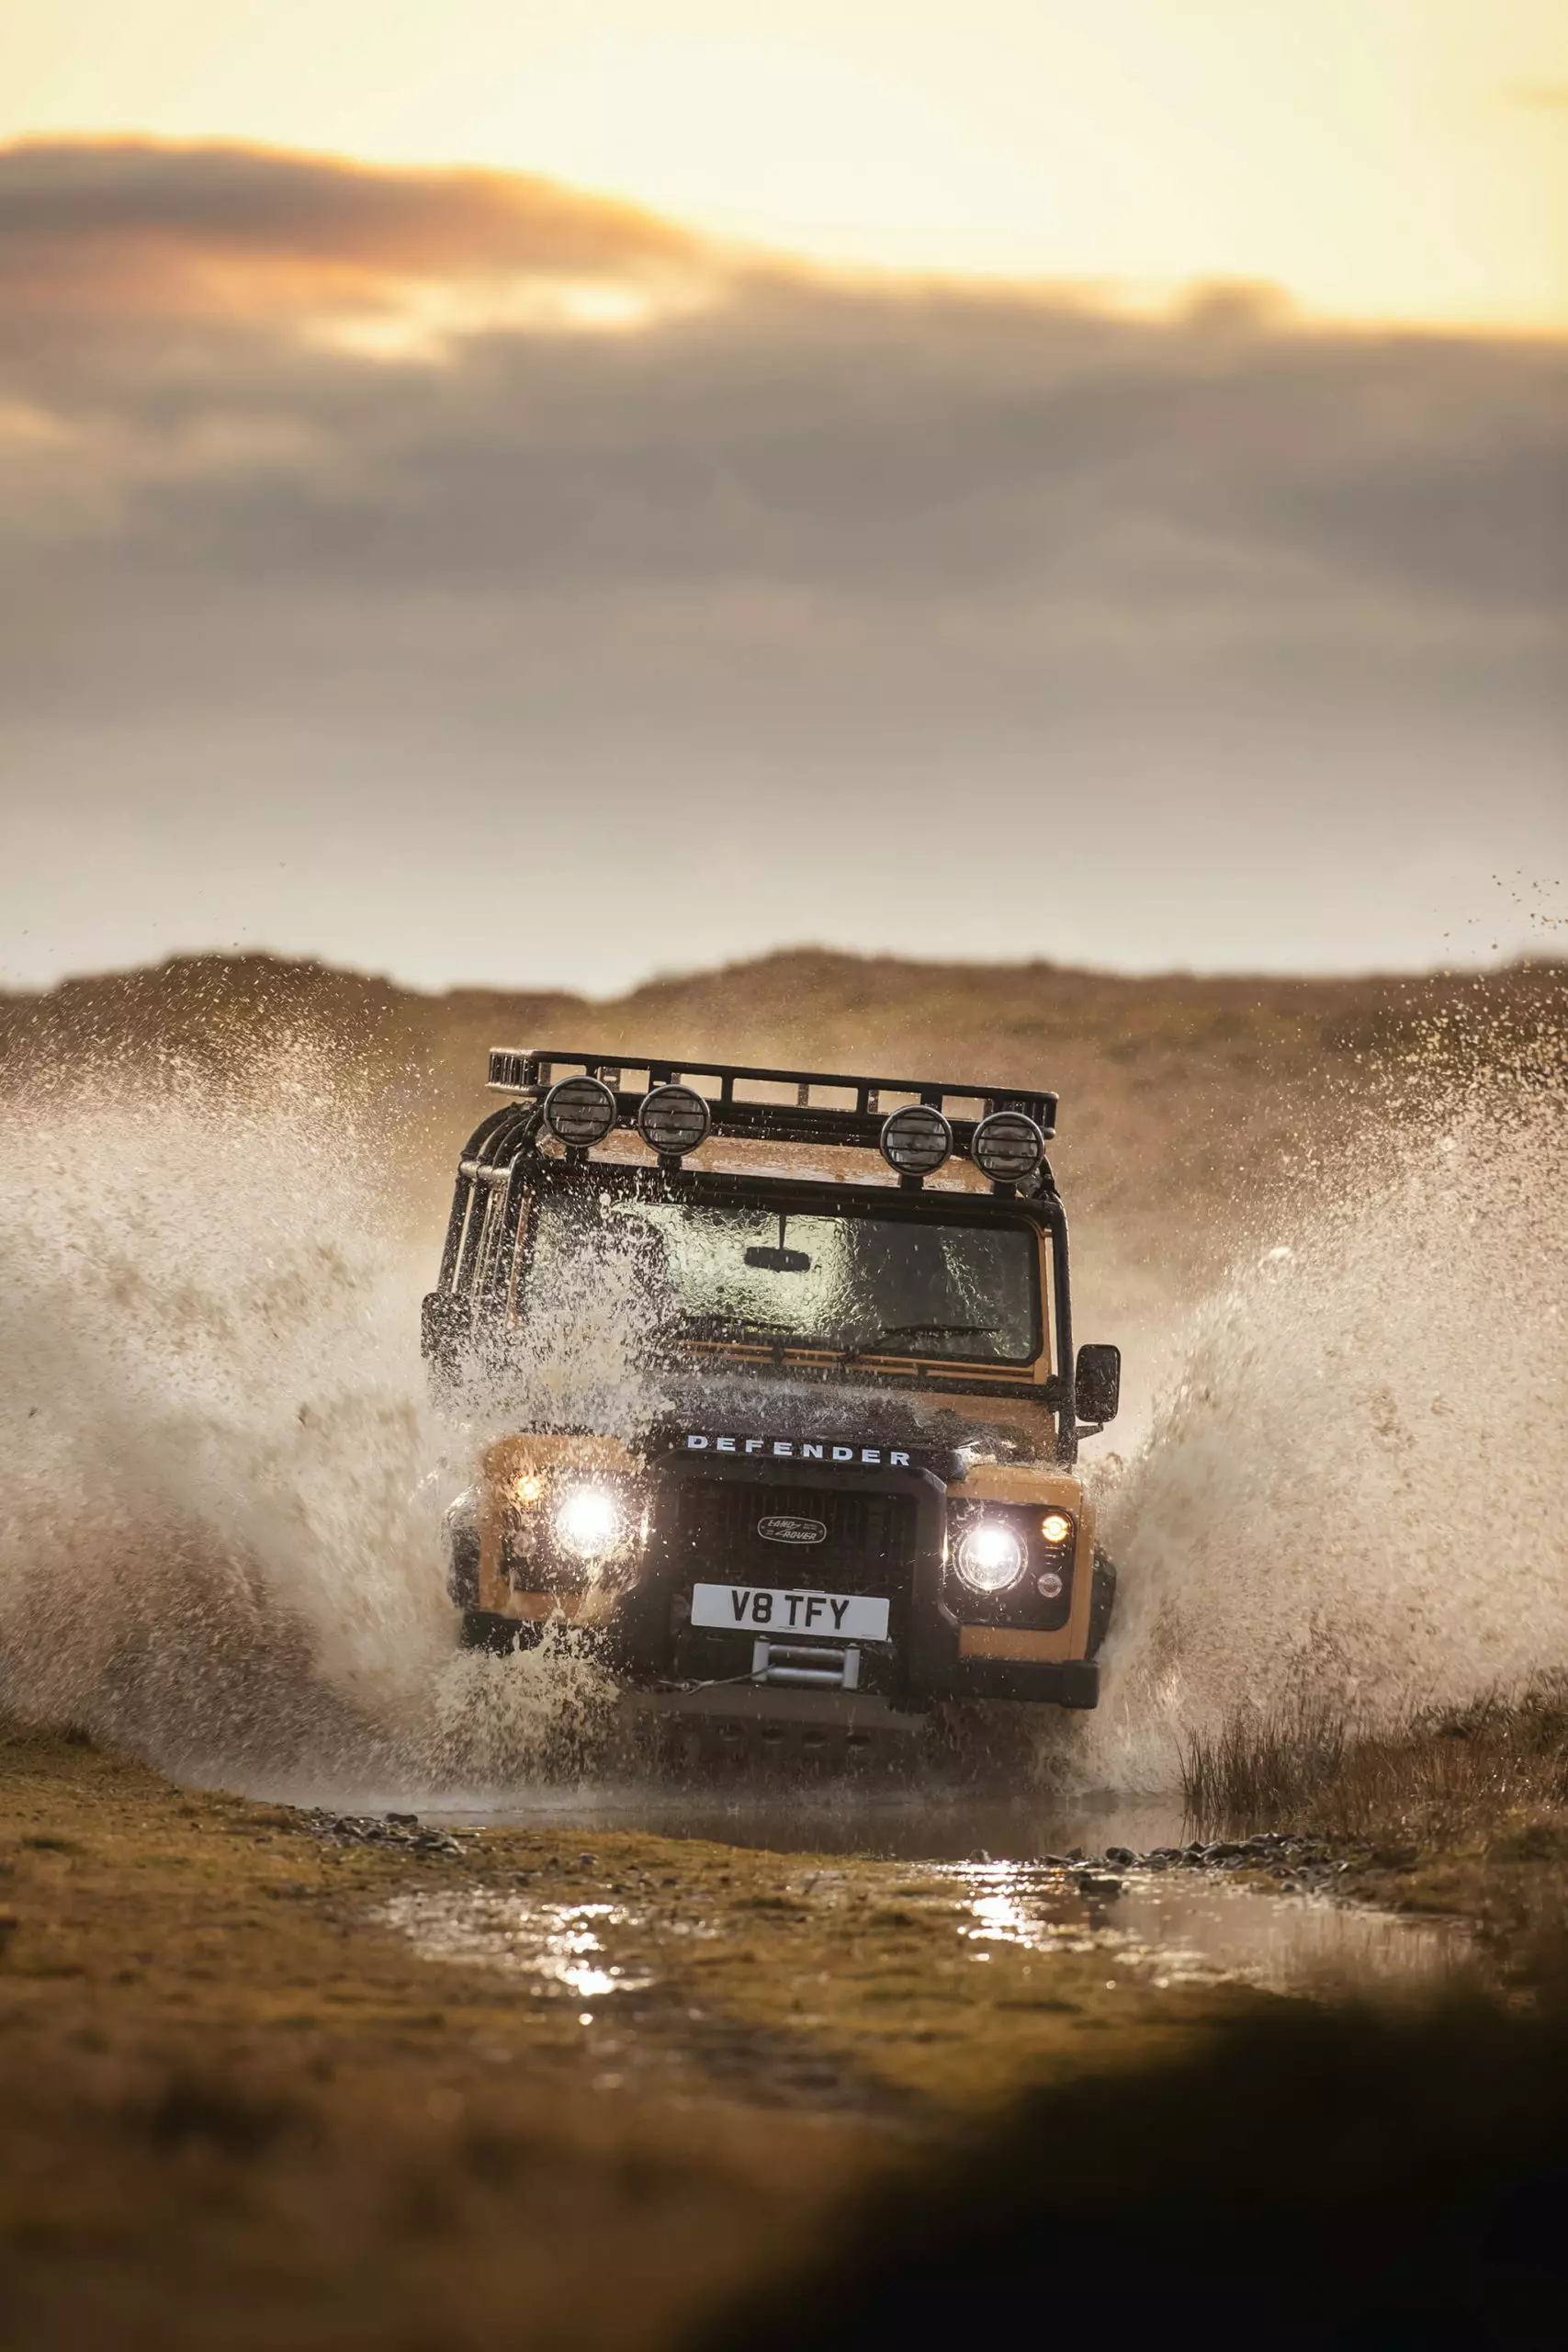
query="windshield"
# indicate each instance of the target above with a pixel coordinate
(857, 1284)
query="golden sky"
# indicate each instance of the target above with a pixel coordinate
(1398, 160)
(413, 478)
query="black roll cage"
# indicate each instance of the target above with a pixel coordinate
(532, 1072)
(506, 1146)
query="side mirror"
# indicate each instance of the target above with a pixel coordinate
(1098, 1383)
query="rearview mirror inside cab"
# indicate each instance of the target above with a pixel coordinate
(1098, 1381)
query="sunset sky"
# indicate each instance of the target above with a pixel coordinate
(520, 494)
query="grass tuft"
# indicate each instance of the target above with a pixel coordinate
(1439, 1774)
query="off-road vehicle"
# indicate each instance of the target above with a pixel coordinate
(844, 1489)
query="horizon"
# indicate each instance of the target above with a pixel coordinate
(1501, 968)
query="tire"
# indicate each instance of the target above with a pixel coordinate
(1101, 1600)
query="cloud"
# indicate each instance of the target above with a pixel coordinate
(227, 232)
(315, 472)
(168, 319)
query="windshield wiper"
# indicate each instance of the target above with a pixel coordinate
(914, 1331)
(948, 1331)
(714, 1327)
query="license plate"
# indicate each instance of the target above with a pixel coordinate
(764, 1608)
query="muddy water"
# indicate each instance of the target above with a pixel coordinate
(1160, 1928)
(921, 1824)
(1193, 1925)
(986, 1856)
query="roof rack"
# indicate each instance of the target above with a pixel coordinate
(532, 1072)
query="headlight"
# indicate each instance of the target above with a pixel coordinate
(916, 1140)
(991, 1555)
(579, 1111)
(1057, 1527)
(673, 1120)
(588, 1522)
(1007, 1146)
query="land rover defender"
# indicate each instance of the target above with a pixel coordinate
(850, 1493)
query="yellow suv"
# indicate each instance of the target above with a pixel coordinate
(842, 1485)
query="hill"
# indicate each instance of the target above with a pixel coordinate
(1185, 1101)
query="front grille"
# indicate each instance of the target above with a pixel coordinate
(870, 1545)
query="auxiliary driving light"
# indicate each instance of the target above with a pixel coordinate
(1007, 1146)
(916, 1140)
(588, 1522)
(991, 1556)
(673, 1120)
(1055, 1527)
(579, 1111)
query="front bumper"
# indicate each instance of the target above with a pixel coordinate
(886, 1535)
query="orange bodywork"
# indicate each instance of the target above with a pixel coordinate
(515, 1464)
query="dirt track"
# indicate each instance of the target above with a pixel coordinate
(240, 2111)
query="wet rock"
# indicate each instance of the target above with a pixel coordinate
(369, 1830)
(1123, 1856)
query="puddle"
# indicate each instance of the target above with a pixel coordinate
(1194, 1926)
(923, 1825)
(559, 1945)
(983, 1854)
(1165, 1928)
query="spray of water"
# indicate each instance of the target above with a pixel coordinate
(219, 1479)
(1350, 1497)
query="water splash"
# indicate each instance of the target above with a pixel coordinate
(1350, 1496)
(220, 1480)
(585, 1357)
